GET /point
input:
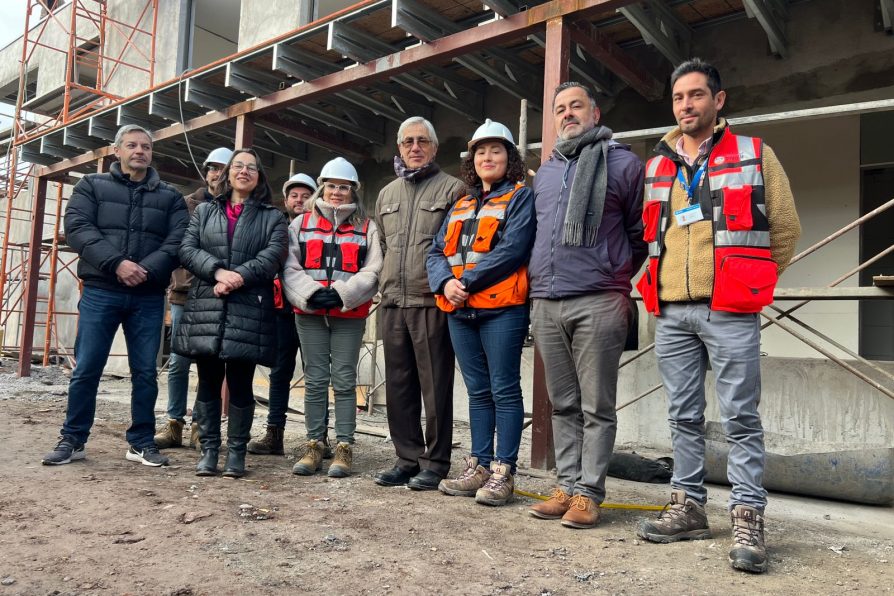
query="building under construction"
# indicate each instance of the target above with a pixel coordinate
(304, 80)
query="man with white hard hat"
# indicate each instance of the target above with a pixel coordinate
(295, 192)
(178, 366)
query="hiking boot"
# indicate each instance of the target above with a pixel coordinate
(554, 508)
(194, 436)
(148, 456)
(66, 451)
(341, 462)
(498, 488)
(681, 519)
(327, 448)
(171, 435)
(582, 513)
(749, 552)
(270, 443)
(467, 483)
(311, 461)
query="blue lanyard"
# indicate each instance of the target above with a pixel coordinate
(696, 178)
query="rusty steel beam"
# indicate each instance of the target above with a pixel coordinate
(437, 52)
(32, 278)
(616, 60)
(245, 131)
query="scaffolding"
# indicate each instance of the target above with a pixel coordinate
(90, 65)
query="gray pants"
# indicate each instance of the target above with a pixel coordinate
(580, 340)
(330, 346)
(686, 336)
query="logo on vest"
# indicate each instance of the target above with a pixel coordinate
(719, 159)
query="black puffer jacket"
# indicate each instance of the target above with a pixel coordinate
(241, 325)
(109, 219)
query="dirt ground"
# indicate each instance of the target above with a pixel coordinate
(108, 526)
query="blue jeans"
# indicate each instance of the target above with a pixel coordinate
(282, 371)
(178, 373)
(489, 349)
(101, 312)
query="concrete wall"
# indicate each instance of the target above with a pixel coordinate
(257, 24)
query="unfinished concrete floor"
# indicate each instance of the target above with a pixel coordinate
(108, 526)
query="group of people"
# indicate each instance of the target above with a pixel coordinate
(462, 267)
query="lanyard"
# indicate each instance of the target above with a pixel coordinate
(696, 178)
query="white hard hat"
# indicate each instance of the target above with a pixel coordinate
(491, 130)
(220, 155)
(341, 169)
(299, 180)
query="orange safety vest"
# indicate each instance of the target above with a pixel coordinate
(332, 254)
(470, 236)
(745, 274)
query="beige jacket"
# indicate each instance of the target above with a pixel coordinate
(409, 215)
(686, 272)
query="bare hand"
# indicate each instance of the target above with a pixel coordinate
(130, 274)
(220, 289)
(455, 292)
(231, 279)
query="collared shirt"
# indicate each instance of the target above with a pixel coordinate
(703, 149)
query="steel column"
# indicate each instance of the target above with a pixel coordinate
(245, 131)
(32, 278)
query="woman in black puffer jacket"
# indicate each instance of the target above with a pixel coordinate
(235, 245)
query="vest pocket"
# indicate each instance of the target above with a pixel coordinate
(511, 291)
(486, 233)
(451, 238)
(737, 208)
(744, 283)
(313, 254)
(350, 253)
(651, 219)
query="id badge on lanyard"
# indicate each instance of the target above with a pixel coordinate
(692, 213)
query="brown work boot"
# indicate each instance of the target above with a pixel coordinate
(749, 552)
(194, 435)
(341, 461)
(311, 461)
(270, 443)
(498, 488)
(582, 513)
(554, 508)
(170, 436)
(468, 482)
(681, 519)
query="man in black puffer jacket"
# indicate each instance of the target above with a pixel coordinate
(126, 226)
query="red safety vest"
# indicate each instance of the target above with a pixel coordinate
(470, 236)
(332, 254)
(745, 275)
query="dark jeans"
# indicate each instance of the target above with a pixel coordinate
(281, 372)
(239, 374)
(489, 349)
(419, 361)
(101, 312)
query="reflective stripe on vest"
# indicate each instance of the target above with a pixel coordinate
(469, 237)
(744, 272)
(332, 254)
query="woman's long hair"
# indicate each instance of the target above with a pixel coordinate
(515, 167)
(261, 193)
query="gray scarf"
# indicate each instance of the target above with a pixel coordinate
(587, 199)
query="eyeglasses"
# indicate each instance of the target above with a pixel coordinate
(213, 167)
(238, 166)
(337, 187)
(408, 142)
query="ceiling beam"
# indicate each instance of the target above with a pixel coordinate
(251, 81)
(209, 96)
(601, 48)
(771, 15)
(587, 70)
(312, 135)
(662, 28)
(72, 137)
(162, 106)
(314, 113)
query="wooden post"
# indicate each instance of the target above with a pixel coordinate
(555, 71)
(245, 132)
(32, 277)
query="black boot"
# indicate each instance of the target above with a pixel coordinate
(209, 433)
(238, 434)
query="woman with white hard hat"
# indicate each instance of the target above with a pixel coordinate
(331, 276)
(477, 268)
